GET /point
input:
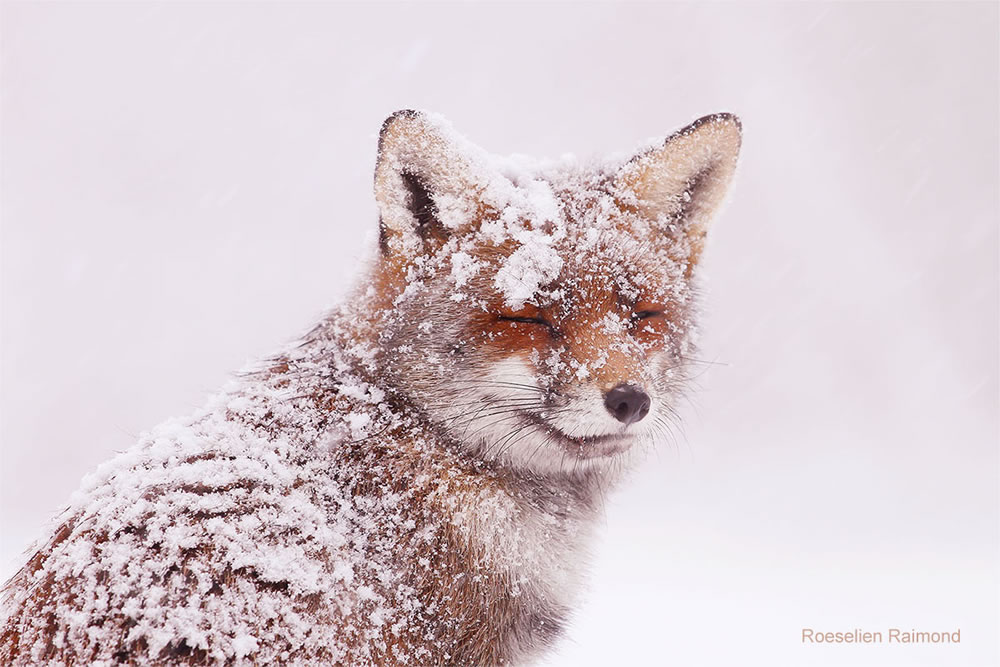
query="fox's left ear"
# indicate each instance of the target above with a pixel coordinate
(679, 185)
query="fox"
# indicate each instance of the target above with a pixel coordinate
(417, 479)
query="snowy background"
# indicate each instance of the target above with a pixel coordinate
(187, 186)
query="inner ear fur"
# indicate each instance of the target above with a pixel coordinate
(426, 182)
(680, 184)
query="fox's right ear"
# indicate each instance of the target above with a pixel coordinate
(427, 182)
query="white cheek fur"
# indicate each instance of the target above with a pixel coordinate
(491, 420)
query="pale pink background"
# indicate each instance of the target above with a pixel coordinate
(185, 187)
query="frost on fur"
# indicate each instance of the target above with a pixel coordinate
(414, 481)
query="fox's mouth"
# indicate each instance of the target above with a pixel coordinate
(583, 447)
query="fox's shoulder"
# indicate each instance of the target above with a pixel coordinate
(171, 552)
(214, 536)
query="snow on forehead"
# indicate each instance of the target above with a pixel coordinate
(527, 269)
(583, 226)
(552, 212)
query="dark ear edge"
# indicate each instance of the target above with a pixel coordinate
(720, 117)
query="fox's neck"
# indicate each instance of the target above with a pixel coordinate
(345, 346)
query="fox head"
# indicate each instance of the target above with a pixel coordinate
(540, 314)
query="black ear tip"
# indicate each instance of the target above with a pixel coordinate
(720, 119)
(408, 114)
(402, 113)
(730, 118)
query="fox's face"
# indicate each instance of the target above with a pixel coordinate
(541, 315)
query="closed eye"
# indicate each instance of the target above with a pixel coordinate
(525, 320)
(645, 314)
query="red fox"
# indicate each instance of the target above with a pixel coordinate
(415, 481)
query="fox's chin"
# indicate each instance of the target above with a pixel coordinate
(585, 448)
(596, 447)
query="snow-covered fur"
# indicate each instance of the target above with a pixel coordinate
(415, 481)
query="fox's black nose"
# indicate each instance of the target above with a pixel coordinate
(627, 403)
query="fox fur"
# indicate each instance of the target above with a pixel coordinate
(416, 480)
